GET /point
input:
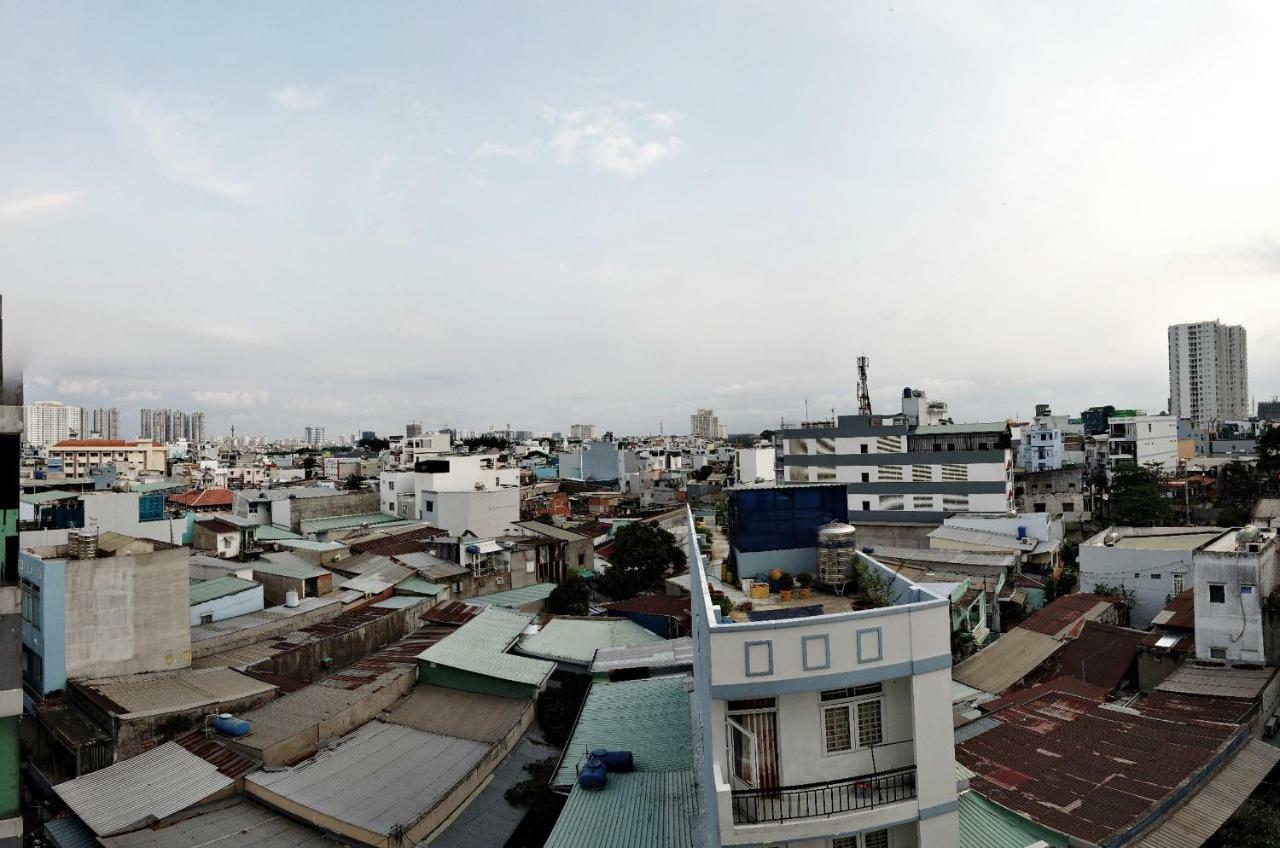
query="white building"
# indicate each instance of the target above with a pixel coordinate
(1143, 440)
(1154, 563)
(582, 432)
(49, 422)
(705, 425)
(456, 493)
(1041, 447)
(314, 436)
(833, 730)
(1208, 372)
(754, 465)
(1233, 575)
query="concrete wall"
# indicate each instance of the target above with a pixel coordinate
(239, 638)
(141, 734)
(486, 513)
(304, 662)
(128, 615)
(1150, 574)
(229, 606)
(1233, 626)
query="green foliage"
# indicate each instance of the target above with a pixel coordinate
(642, 553)
(872, 588)
(558, 705)
(571, 597)
(804, 579)
(525, 793)
(1255, 825)
(962, 645)
(1137, 498)
(374, 444)
(726, 605)
(1124, 597)
(485, 443)
(1269, 454)
(786, 582)
(1239, 487)
(354, 482)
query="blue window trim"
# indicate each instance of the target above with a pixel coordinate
(857, 639)
(746, 658)
(826, 652)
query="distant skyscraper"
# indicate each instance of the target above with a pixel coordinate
(1208, 373)
(314, 436)
(106, 422)
(413, 429)
(582, 431)
(704, 423)
(49, 422)
(1269, 410)
(144, 424)
(197, 426)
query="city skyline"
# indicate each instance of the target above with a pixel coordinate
(881, 187)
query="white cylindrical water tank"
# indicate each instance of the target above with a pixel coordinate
(291, 598)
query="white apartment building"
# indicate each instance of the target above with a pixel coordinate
(705, 425)
(895, 471)
(49, 422)
(1233, 576)
(1143, 440)
(1154, 563)
(831, 731)
(582, 432)
(1208, 372)
(1041, 447)
(456, 493)
(81, 457)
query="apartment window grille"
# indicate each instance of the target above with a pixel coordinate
(852, 718)
(1155, 575)
(31, 611)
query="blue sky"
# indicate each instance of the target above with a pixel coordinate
(537, 214)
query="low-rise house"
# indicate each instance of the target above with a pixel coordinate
(204, 500)
(224, 597)
(220, 537)
(131, 457)
(571, 643)
(1152, 564)
(287, 508)
(666, 615)
(283, 573)
(478, 658)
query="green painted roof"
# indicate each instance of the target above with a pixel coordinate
(271, 533)
(287, 565)
(984, 824)
(957, 429)
(418, 586)
(577, 640)
(515, 597)
(343, 522)
(636, 810)
(159, 486)
(649, 718)
(220, 587)
(480, 647)
(48, 497)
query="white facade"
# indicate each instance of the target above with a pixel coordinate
(49, 422)
(817, 730)
(456, 493)
(1143, 440)
(1208, 372)
(1041, 447)
(755, 465)
(1233, 576)
(228, 606)
(1154, 563)
(705, 425)
(582, 432)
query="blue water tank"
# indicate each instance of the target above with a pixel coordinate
(473, 549)
(868, 549)
(619, 761)
(594, 775)
(229, 725)
(1022, 531)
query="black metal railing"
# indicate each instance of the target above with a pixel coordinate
(821, 800)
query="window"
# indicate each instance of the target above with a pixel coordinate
(429, 506)
(1218, 653)
(863, 448)
(457, 587)
(1155, 575)
(1179, 583)
(853, 713)
(866, 477)
(206, 618)
(31, 611)
(1217, 593)
(1246, 589)
(582, 559)
(391, 485)
(1068, 507)
(870, 839)
(1039, 507)
(866, 506)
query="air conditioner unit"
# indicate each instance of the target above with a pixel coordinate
(500, 580)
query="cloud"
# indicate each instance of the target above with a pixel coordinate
(235, 333)
(491, 149)
(40, 204)
(230, 399)
(81, 386)
(40, 381)
(178, 142)
(625, 138)
(299, 98)
(139, 395)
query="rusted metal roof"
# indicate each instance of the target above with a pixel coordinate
(1088, 770)
(451, 612)
(1181, 707)
(1216, 681)
(1179, 612)
(398, 655)
(1063, 685)
(1102, 654)
(212, 751)
(465, 715)
(1057, 618)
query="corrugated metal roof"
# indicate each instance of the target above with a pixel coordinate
(48, 497)
(667, 654)
(945, 557)
(239, 824)
(1245, 683)
(1191, 825)
(70, 832)
(515, 597)
(1006, 661)
(310, 545)
(576, 640)
(343, 522)
(211, 750)
(453, 712)
(378, 778)
(551, 531)
(156, 693)
(965, 732)
(636, 810)
(418, 586)
(1057, 618)
(219, 587)
(378, 578)
(143, 789)
(987, 825)
(489, 820)
(431, 567)
(480, 647)
(271, 533)
(958, 429)
(649, 718)
(285, 564)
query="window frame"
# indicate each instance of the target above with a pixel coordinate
(851, 703)
(1222, 590)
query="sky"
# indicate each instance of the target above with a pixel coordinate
(536, 214)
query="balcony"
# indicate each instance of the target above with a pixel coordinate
(823, 800)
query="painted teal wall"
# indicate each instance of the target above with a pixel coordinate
(8, 767)
(452, 678)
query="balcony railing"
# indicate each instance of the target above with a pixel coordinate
(822, 800)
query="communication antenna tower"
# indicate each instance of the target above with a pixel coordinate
(864, 393)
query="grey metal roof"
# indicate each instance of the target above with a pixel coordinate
(974, 728)
(649, 718)
(454, 712)
(156, 693)
(284, 564)
(667, 654)
(141, 790)
(936, 555)
(480, 647)
(489, 820)
(70, 832)
(575, 640)
(1246, 683)
(1191, 825)
(636, 810)
(431, 567)
(514, 597)
(551, 531)
(1006, 661)
(239, 824)
(379, 577)
(271, 619)
(219, 587)
(960, 429)
(381, 776)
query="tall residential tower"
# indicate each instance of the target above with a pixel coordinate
(1208, 373)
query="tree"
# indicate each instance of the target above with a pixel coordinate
(642, 553)
(962, 645)
(1269, 457)
(1238, 491)
(486, 442)
(374, 444)
(353, 483)
(571, 597)
(1137, 497)
(308, 463)
(1254, 825)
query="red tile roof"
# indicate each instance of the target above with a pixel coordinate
(208, 498)
(1083, 769)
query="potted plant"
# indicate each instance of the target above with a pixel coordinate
(785, 584)
(804, 580)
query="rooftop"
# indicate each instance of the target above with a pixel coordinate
(233, 824)
(489, 819)
(642, 809)
(283, 564)
(346, 522)
(650, 718)
(667, 654)
(987, 825)
(271, 533)
(198, 498)
(1217, 681)
(221, 587)
(158, 693)
(513, 598)
(268, 620)
(379, 778)
(453, 712)
(480, 646)
(576, 640)
(51, 496)
(958, 429)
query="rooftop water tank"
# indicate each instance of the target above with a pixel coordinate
(229, 725)
(1246, 534)
(837, 551)
(291, 598)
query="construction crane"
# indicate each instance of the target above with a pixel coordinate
(864, 393)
